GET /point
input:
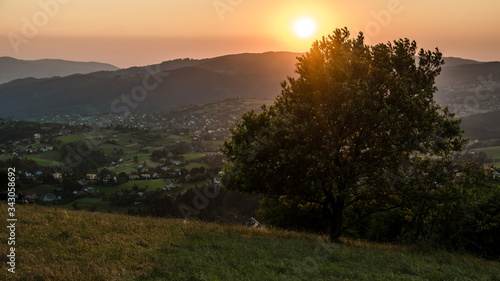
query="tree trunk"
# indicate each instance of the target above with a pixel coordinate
(337, 208)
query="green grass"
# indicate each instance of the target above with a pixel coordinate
(50, 158)
(55, 244)
(493, 152)
(192, 165)
(151, 185)
(44, 162)
(182, 138)
(40, 190)
(125, 168)
(84, 203)
(194, 155)
(74, 138)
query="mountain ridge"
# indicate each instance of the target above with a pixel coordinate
(180, 82)
(12, 68)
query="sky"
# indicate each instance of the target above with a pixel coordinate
(135, 33)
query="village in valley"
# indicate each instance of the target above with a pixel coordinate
(139, 164)
(103, 163)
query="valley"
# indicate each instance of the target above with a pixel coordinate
(119, 167)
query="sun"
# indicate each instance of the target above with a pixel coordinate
(304, 27)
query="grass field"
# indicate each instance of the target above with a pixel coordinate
(87, 202)
(48, 159)
(150, 185)
(75, 138)
(194, 155)
(195, 165)
(40, 190)
(55, 244)
(492, 152)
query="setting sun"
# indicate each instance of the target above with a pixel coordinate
(304, 27)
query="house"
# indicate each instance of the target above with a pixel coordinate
(57, 176)
(169, 185)
(106, 179)
(175, 162)
(146, 176)
(91, 177)
(156, 176)
(133, 177)
(49, 197)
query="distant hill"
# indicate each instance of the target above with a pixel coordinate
(11, 68)
(453, 61)
(468, 87)
(482, 126)
(178, 83)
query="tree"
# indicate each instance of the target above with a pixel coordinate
(341, 134)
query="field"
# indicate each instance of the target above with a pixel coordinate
(55, 244)
(87, 203)
(50, 158)
(149, 185)
(492, 152)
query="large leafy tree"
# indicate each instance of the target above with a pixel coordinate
(341, 134)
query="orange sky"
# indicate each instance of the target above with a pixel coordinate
(127, 33)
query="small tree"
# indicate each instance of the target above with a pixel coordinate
(341, 133)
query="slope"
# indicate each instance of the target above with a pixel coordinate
(54, 244)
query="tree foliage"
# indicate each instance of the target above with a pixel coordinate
(341, 134)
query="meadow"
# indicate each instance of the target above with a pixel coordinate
(492, 152)
(57, 244)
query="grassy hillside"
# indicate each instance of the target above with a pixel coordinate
(55, 244)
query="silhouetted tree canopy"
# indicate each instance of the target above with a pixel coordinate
(342, 133)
